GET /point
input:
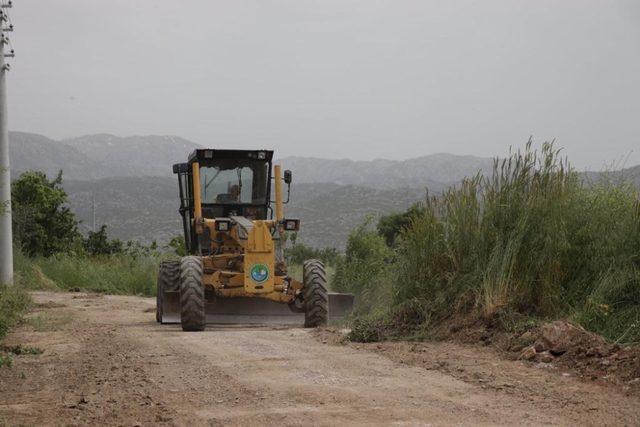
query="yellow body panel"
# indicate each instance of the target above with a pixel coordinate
(197, 201)
(244, 265)
(259, 260)
(278, 183)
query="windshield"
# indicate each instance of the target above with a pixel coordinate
(230, 183)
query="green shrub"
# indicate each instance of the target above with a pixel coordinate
(363, 268)
(369, 327)
(98, 243)
(299, 253)
(407, 320)
(390, 226)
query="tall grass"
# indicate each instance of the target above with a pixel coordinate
(14, 301)
(113, 274)
(529, 238)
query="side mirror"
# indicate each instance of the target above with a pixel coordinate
(287, 177)
(181, 168)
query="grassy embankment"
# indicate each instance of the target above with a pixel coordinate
(530, 241)
(113, 274)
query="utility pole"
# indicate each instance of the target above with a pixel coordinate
(93, 210)
(6, 237)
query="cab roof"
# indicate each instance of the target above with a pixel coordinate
(213, 153)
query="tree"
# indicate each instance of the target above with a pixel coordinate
(98, 243)
(390, 226)
(42, 224)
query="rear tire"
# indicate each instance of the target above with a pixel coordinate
(314, 290)
(192, 301)
(168, 280)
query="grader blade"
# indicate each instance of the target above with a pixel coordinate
(340, 305)
(263, 311)
(171, 307)
(251, 311)
(245, 310)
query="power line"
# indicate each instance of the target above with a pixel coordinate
(6, 237)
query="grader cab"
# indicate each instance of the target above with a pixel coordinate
(235, 270)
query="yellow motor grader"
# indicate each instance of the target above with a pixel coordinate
(235, 271)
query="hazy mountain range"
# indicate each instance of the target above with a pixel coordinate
(98, 156)
(136, 195)
(107, 156)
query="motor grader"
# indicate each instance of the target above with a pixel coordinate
(235, 270)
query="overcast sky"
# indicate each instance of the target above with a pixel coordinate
(359, 79)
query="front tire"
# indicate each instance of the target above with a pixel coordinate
(192, 300)
(316, 297)
(168, 280)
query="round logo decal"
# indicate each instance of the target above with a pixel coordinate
(259, 273)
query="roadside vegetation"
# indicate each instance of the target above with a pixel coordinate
(526, 242)
(297, 253)
(529, 241)
(14, 302)
(117, 273)
(50, 252)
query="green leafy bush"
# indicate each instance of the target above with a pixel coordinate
(363, 270)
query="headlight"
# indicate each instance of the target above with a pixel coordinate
(223, 224)
(291, 224)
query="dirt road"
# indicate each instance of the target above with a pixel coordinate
(106, 361)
